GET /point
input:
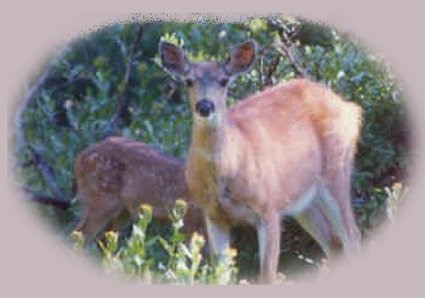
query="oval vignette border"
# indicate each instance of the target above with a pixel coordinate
(39, 261)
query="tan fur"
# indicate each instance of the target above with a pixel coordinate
(118, 175)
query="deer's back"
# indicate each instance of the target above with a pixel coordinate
(131, 172)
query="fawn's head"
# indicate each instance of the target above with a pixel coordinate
(207, 81)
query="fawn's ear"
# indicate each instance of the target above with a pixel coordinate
(173, 58)
(241, 58)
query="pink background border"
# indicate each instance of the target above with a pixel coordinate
(35, 263)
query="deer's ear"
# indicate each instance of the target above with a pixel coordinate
(173, 58)
(241, 58)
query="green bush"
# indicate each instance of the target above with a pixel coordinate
(183, 264)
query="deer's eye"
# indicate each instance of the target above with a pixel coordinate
(223, 82)
(188, 82)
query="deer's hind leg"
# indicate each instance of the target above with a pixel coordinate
(313, 220)
(97, 218)
(337, 188)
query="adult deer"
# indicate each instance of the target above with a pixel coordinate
(285, 151)
(117, 175)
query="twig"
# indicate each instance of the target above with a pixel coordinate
(271, 70)
(23, 164)
(261, 71)
(48, 200)
(46, 171)
(44, 199)
(112, 126)
(284, 47)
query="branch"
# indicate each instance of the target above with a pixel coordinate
(51, 201)
(285, 50)
(271, 70)
(23, 164)
(265, 74)
(46, 171)
(45, 199)
(261, 70)
(284, 47)
(112, 126)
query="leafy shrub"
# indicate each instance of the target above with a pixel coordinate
(184, 263)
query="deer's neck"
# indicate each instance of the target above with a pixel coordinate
(204, 172)
(208, 140)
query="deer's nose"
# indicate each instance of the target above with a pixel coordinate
(204, 107)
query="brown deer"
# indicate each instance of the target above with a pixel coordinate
(285, 151)
(117, 175)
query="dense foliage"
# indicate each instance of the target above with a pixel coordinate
(182, 263)
(110, 82)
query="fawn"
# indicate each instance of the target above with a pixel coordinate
(285, 151)
(117, 175)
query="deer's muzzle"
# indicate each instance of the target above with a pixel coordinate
(204, 107)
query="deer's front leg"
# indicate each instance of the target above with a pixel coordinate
(269, 243)
(218, 236)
